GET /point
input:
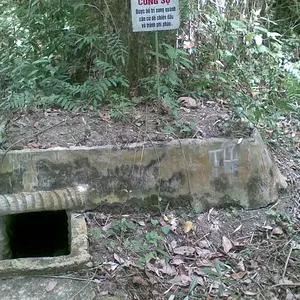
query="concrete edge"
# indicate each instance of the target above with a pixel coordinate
(79, 257)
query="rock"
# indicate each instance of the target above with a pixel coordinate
(188, 102)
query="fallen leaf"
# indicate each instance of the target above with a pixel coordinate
(154, 222)
(203, 244)
(36, 124)
(151, 278)
(167, 269)
(203, 263)
(173, 244)
(238, 275)
(107, 226)
(187, 226)
(226, 243)
(165, 229)
(239, 141)
(187, 110)
(110, 266)
(51, 285)
(238, 228)
(240, 266)
(188, 44)
(119, 259)
(165, 106)
(181, 280)
(184, 250)
(105, 117)
(177, 261)
(140, 280)
(33, 145)
(203, 253)
(159, 266)
(277, 231)
(248, 293)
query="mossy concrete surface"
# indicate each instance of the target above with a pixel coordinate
(212, 172)
(37, 288)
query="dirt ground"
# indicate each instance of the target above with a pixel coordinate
(182, 253)
(51, 128)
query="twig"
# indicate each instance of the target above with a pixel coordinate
(296, 284)
(287, 261)
(85, 286)
(155, 150)
(65, 277)
(259, 288)
(30, 136)
(186, 169)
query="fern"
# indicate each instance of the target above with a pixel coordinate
(116, 49)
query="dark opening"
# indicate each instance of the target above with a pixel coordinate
(39, 234)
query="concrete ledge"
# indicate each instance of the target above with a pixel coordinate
(78, 259)
(212, 172)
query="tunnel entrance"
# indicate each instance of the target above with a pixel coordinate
(39, 234)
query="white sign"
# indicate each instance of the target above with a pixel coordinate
(153, 15)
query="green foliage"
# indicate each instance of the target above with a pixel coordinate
(120, 107)
(120, 227)
(180, 128)
(78, 55)
(175, 65)
(57, 54)
(240, 60)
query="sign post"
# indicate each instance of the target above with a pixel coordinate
(155, 15)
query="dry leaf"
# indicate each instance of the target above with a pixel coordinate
(33, 145)
(278, 231)
(119, 259)
(110, 266)
(187, 226)
(151, 278)
(173, 244)
(203, 253)
(248, 293)
(140, 280)
(159, 266)
(184, 250)
(181, 280)
(107, 226)
(203, 263)
(203, 244)
(240, 266)
(51, 285)
(176, 261)
(238, 228)
(238, 275)
(226, 243)
(141, 223)
(105, 117)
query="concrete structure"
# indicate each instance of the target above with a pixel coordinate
(213, 172)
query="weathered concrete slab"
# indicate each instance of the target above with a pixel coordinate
(35, 288)
(213, 172)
